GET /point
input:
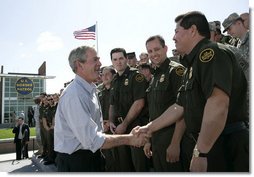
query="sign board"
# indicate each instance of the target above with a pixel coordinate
(24, 86)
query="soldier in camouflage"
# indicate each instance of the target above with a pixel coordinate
(234, 25)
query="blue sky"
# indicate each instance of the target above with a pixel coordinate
(33, 31)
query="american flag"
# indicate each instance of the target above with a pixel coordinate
(85, 34)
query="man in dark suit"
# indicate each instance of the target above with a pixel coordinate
(22, 134)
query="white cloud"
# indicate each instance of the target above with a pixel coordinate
(48, 42)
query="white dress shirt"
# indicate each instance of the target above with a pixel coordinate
(20, 136)
(78, 119)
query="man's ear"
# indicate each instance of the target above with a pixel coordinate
(193, 30)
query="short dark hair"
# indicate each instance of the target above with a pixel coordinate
(21, 118)
(195, 18)
(160, 38)
(116, 50)
(145, 66)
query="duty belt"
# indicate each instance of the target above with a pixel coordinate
(234, 127)
(229, 128)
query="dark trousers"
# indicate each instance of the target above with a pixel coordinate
(160, 142)
(123, 159)
(18, 149)
(140, 161)
(43, 133)
(230, 153)
(109, 160)
(159, 160)
(79, 161)
(25, 150)
(50, 145)
(21, 150)
(237, 151)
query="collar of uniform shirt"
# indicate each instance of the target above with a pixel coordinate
(164, 65)
(190, 57)
(125, 73)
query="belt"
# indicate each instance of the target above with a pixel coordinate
(234, 127)
(230, 128)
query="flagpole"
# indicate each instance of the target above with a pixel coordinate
(97, 38)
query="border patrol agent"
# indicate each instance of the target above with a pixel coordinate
(104, 97)
(48, 120)
(128, 106)
(43, 131)
(214, 101)
(161, 94)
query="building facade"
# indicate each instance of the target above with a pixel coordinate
(18, 91)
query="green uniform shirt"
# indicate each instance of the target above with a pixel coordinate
(163, 88)
(49, 113)
(208, 65)
(161, 94)
(104, 96)
(125, 90)
(41, 111)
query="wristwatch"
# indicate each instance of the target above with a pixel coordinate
(197, 153)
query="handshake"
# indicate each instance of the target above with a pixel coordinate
(139, 136)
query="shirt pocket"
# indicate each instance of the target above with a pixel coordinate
(162, 93)
(126, 96)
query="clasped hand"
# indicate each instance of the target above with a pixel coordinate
(140, 136)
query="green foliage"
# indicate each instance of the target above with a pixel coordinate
(7, 133)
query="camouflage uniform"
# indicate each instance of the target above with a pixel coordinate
(244, 48)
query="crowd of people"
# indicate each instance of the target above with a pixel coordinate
(163, 114)
(44, 115)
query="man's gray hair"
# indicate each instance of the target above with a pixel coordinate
(78, 54)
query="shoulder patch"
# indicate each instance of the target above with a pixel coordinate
(139, 77)
(206, 55)
(180, 71)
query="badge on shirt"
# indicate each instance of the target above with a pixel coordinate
(190, 73)
(162, 78)
(180, 71)
(206, 55)
(139, 77)
(126, 82)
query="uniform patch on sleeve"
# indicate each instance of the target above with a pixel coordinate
(206, 55)
(139, 77)
(180, 71)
